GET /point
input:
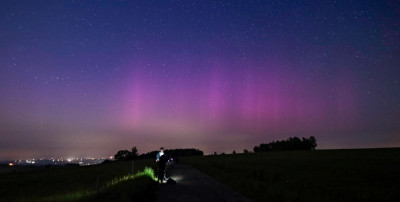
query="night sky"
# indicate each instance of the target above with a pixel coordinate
(86, 79)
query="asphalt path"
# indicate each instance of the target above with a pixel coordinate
(193, 185)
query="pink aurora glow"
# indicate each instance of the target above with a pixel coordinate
(253, 97)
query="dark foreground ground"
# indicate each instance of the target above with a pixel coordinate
(116, 181)
(193, 185)
(322, 175)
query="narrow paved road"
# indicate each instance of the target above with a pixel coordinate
(193, 185)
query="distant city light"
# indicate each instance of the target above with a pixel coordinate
(59, 161)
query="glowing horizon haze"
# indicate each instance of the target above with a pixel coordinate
(86, 79)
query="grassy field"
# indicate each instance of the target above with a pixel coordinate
(107, 182)
(322, 175)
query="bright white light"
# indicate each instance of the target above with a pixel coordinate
(177, 178)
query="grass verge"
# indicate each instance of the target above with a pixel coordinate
(90, 183)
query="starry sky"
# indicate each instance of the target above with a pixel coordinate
(88, 78)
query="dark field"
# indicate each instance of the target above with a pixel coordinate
(107, 182)
(323, 175)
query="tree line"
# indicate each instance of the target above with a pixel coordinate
(133, 154)
(292, 143)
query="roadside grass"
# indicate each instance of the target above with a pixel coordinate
(114, 181)
(140, 187)
(322, 175)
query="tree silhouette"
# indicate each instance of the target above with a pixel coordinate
(122, 155)
(313, 142)
(292, 143)
(134, 153)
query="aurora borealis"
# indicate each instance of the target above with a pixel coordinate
(81, 78)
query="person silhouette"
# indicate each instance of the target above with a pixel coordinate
(161, 160)
(159, 154)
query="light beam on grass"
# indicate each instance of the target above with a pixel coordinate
(146, 172)
(81, 194)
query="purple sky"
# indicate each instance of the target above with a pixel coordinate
(81, 79)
